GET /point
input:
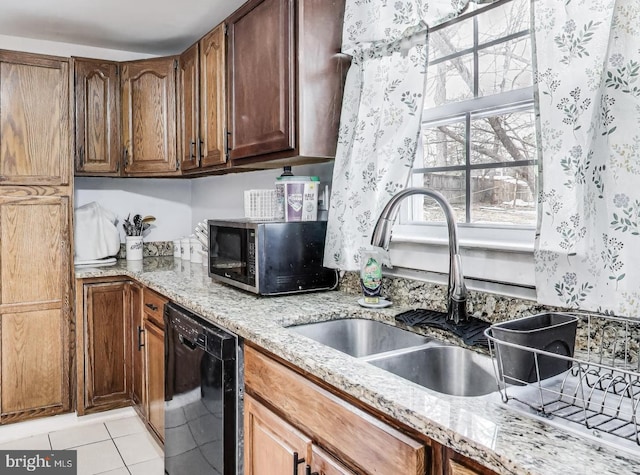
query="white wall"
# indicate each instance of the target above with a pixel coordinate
(169, 200)
(55, 48)
(223, 196)
(178, 204)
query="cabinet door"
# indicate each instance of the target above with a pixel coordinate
(34, 120)
(97, 120)
(213, 96)
(149, 116)
(107, 345)
(457, 464)
(270, 443)
(325, 464)
(189, 109)
(137, 340)
(34, 306)
(261, 78)
(154, 360)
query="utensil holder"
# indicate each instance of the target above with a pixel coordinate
(133, 248)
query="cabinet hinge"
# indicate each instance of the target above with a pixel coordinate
(175, 64)
(177, 164)
(227, 148)
(226, 29)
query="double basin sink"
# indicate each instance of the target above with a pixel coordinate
(423, 360)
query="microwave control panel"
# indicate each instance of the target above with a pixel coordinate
(251, 257)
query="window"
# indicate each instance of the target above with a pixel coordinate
(478, 124)
(479, 141)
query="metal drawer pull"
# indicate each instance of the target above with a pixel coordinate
(296, 461)
(151, 306)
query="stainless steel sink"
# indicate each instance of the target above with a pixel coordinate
(423, 360)
(360, 337)
(446, 369)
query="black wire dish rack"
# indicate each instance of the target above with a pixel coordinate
(596, 386)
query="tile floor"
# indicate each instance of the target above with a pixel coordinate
(113, 446)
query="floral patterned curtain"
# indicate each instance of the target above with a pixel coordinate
(588, 86)
(381, 113)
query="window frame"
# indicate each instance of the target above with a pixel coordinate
(420, 250)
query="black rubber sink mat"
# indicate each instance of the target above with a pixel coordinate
(470, 332)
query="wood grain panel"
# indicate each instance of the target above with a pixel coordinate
(322, 72)
(270, 442)
(34, 121)
(32, 370)
(261, 78)
(331, 421)
(34, 239)
(154, 357)
(107, 344)
(149, 116)
(324, 464)
(97, 120)
(189, 109)
(153, 306)
(213, 98)
(457, 464)
(137, 342)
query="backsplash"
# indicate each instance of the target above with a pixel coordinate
(602, 336)
(488, 307)
(150, 249)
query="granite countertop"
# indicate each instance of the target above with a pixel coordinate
(483, 429)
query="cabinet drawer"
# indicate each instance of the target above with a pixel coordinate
(352, 434)
(153, 306)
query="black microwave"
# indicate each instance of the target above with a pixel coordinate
(268, 257)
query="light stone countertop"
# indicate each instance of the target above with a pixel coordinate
(483, 429)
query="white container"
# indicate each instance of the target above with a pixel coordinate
(260, 204)
(185, 249)
(177, 252)
(301, 200)
(133, 246)
(196, 247)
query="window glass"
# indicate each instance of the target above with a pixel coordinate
(478, 124)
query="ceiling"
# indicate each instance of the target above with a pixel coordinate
(159, 27)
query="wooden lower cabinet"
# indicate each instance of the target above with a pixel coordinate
(120, 349)
(138, 387)
(347, 438)
(153, 329)
(154, 357)
(286, 413)
(104, 369)
(270, 442)
(456, 464)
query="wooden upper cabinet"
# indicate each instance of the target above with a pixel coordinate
(189, 109)
(261, 79)
(202, 103)
(34, 120)
(97, 117)
(213, 96)
(285, 81)
(34, 305)
(149, 116)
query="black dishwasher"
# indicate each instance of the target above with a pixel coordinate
(203, 396)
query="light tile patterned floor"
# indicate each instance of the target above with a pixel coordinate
(113, 447)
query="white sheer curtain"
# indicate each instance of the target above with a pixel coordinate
(381, 113)
(588, 83)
